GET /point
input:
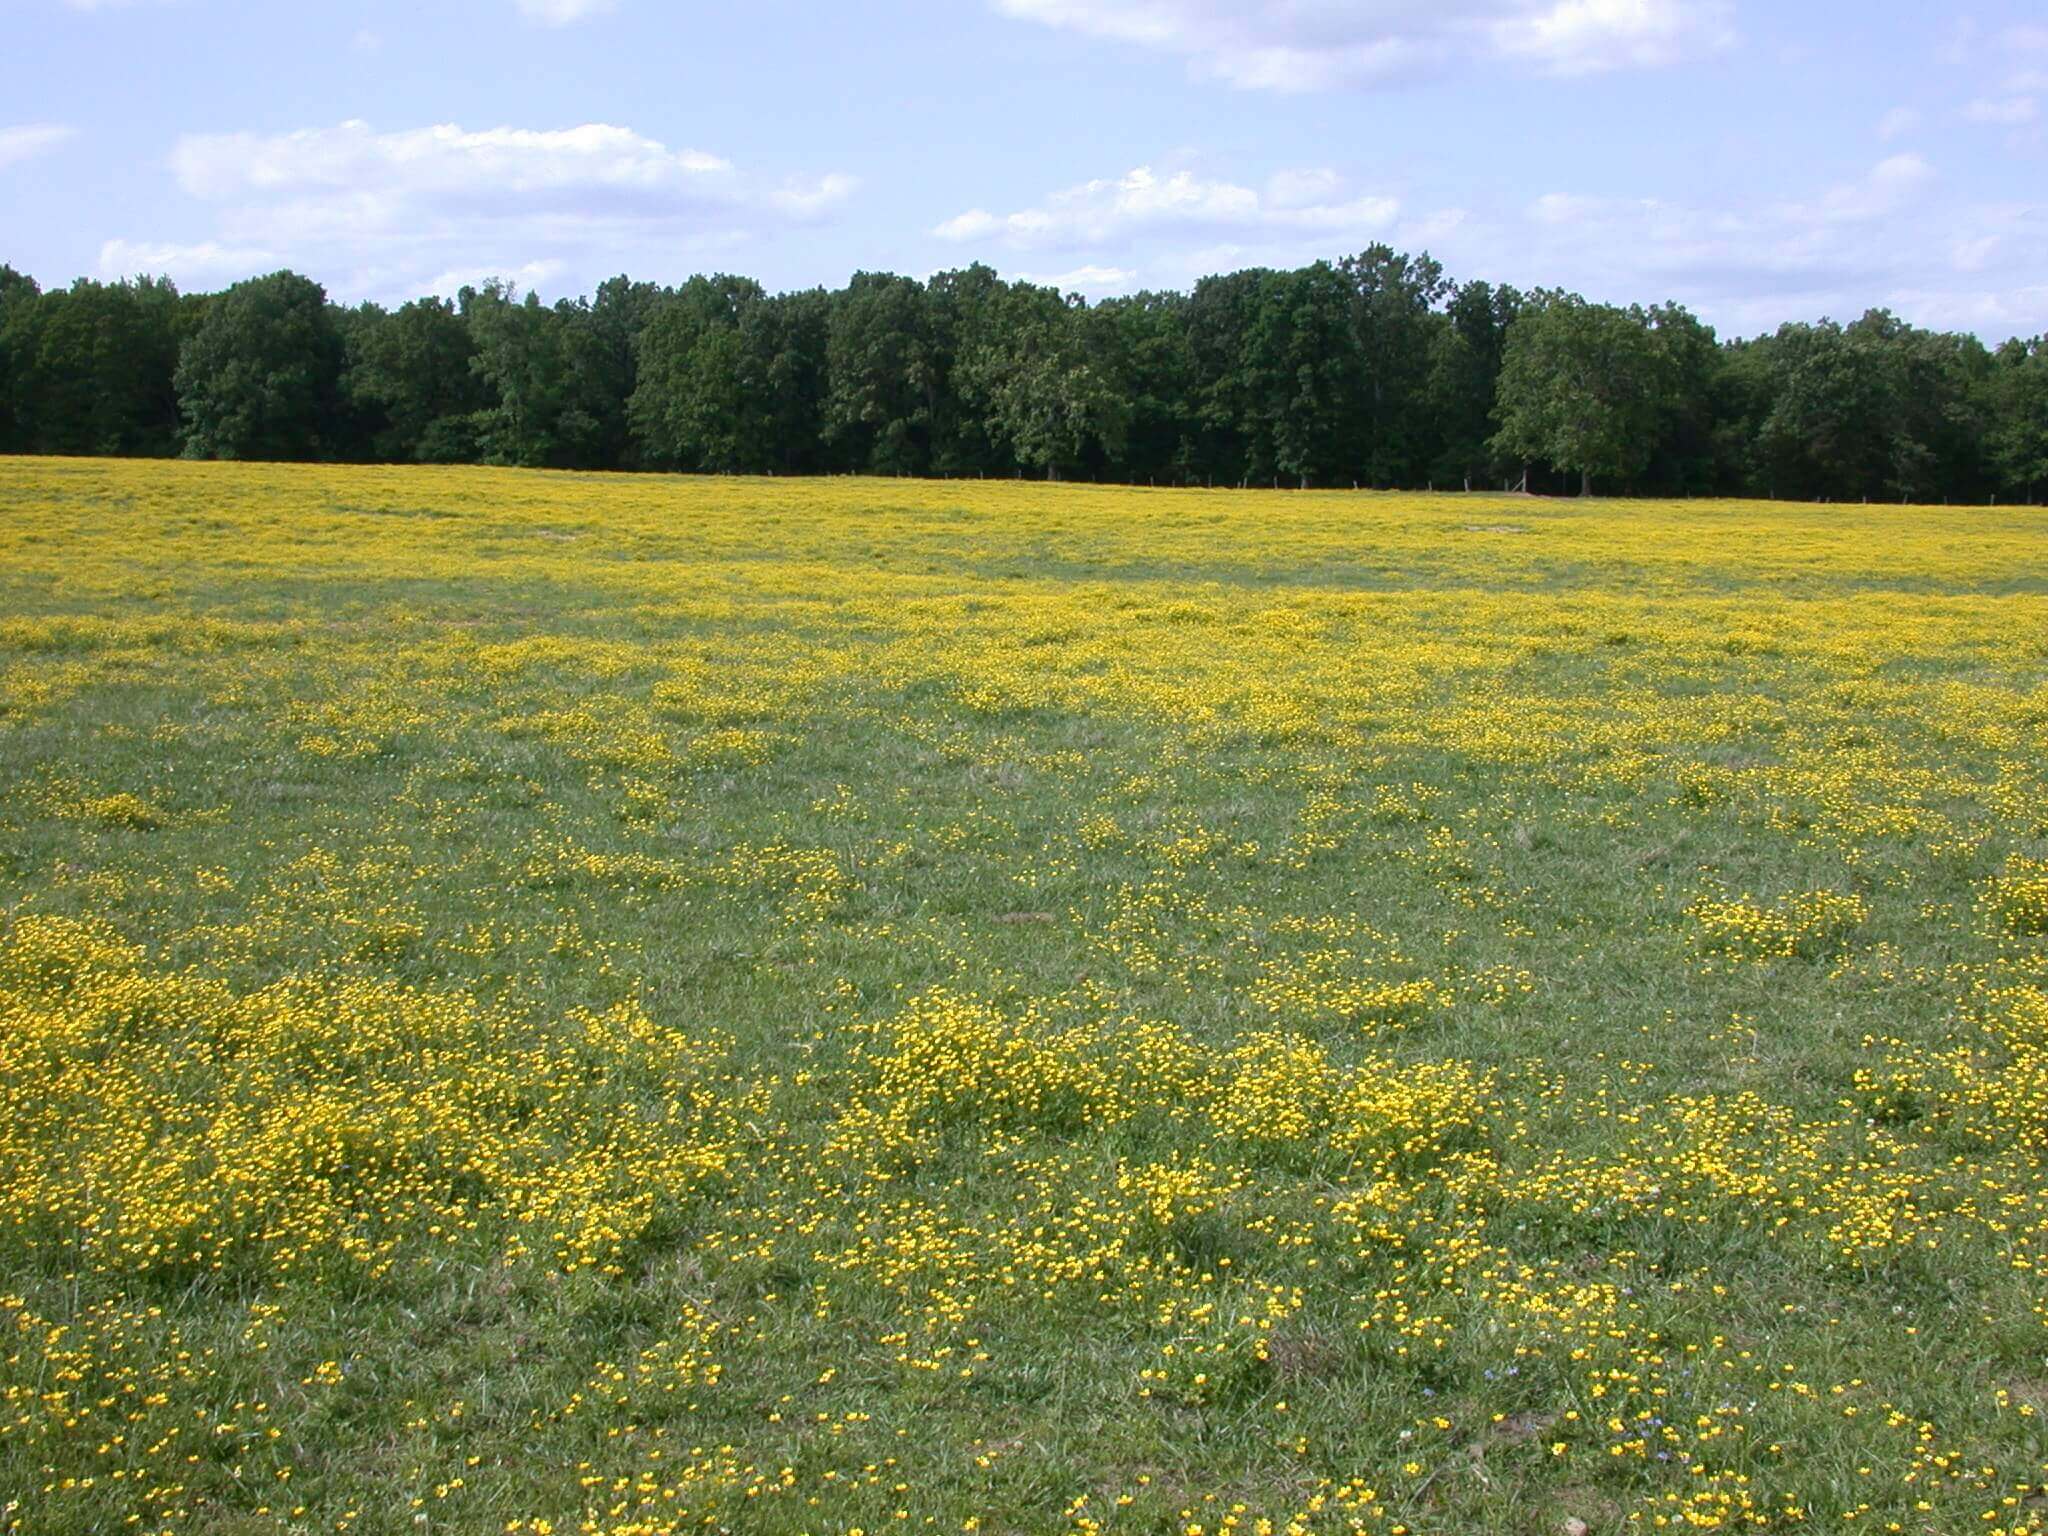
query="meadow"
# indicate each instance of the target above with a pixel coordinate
(537, 1003)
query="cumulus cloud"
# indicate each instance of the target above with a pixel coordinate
(382, 213)
(1285, 45)
(440, 161)
(29, 140)
(1143, 200)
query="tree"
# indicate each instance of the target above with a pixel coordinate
(1682, 458)
(1276, 375)
(792, 332)
(1582, 388)
(1043, 379)
(91, 367)
(411, 372)
(1227, 441)
(1945, 415)
(1304, 377)
(966, 310)
(1841, 419)
(1149, 336)
(18, 293)
(601, 349)
(2017, 408)
(1394, 327)
(521, 360)
(260, 377)
(1742, 398)
(1373, 369)
(886, 374)
(1464, 376)
(15, 285)
(703, 398)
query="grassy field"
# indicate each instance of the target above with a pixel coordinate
(537, 1003)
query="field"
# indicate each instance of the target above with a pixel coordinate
(535, 1003)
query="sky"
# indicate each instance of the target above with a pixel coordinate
(1756, 160)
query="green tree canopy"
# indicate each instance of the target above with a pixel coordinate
(1374, 370)
(412, 371)
(1043, 378)
(260, 377)
(887, 372)
(703, 400)
(1583, 388)
(2017, 391)
(89, 368)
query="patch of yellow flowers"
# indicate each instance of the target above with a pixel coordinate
(1270, 1140)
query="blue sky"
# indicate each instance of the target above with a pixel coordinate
(1758, 162)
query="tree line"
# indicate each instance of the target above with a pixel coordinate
(1376, 370)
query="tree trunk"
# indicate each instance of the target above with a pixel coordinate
(1585, 482)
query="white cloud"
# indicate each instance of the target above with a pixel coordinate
(1583, 36)
(1288, 45)
(440, 161)
(1897, 123)
(2005, 111)
(1785, 236)
(1883, 189)
(206, 261)
(807, 199)
(1974, 255)
(381, 214)
(562, 13)
(1144, 200)
(1992, 313)
(971, 225)
(1564, 208)
(1301, 189)
(1089, 279)
(1895, 233)
(29, 140)
(1895, 236)
(1431, 229)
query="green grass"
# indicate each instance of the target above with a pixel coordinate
(1115, 838)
